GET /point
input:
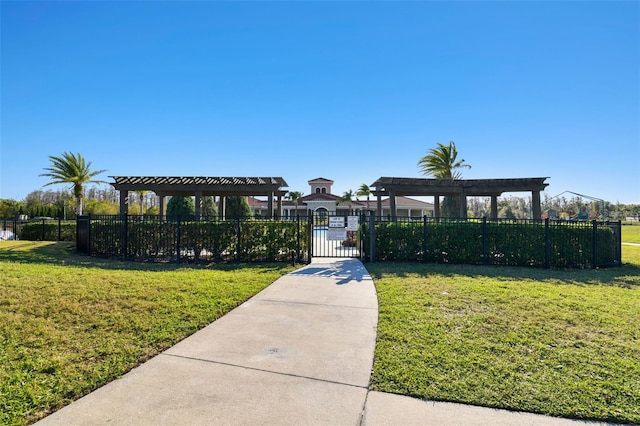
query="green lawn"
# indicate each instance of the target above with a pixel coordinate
(631, 234)
(69, 324)
(558, 342)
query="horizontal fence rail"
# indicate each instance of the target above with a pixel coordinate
(566, 244)
(549, 243)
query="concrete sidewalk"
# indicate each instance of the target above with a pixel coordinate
(298, 353)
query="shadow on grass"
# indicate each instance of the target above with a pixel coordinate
(63, 253)
(627, 276)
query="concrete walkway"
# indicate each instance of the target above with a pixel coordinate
(298, 353)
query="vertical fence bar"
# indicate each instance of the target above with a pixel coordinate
(311, 237)
(547, 244)
(125, 235)
(239, 237)
(42, 231)
(372, 236)
(595, 244)
(298, 237)
(424, 238)
(178, 238)
(59, 228)
(484, 240)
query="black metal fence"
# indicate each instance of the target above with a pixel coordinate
(166, 239)
(567, 244)
(46, 229)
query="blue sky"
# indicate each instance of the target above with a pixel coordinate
(349, 91)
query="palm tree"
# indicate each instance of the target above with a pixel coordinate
(141, 193)
(441, 162)
(73, 169)
(347, 197)
(364, 191)
(294, 196)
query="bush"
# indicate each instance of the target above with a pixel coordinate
(48, 231)
(515, 243)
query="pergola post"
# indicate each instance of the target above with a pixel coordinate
(494, 207)
(279, 207)
(392, 205)
(162, 205)
(535, 205)
(436, 205)
(270, 205)
(463, 206)
(124, 201)
(198, 205)
(222, 205)
(379, 204)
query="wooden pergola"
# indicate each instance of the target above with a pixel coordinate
(201, 186)
(462, 188)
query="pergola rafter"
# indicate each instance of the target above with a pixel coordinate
(200, 186)
(395, 186)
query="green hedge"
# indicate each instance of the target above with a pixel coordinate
(245, 240)
(514, 243)
(37, 231)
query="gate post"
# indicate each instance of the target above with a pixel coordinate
(595, 244)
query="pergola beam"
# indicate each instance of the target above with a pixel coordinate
(462, 188)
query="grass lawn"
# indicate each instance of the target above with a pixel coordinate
(558, 342)
(631, 234)
(69, 324)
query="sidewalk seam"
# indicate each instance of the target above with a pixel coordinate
(293, 302)
(208, 361)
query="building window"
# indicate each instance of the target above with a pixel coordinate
(317, 190)
(324, 190)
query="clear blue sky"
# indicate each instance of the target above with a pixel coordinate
(349, 91)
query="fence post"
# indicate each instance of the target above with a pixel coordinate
(239, 236)
(178, 238)
(311, 237)
(298, 237)
(484, 240)
(125, 236)
(547, 244)
(424, 238)
(88, 232)
(42, 231)
(59, 228)
(595, 244)
(372, 236)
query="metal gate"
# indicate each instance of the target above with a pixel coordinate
(335, 235)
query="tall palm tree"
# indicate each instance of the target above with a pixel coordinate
(364, 191)
(442, 162)
(347, 197)
(73, 169)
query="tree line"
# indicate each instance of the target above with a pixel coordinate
(440, 162)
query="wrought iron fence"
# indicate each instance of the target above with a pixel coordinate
(42, 229)
(567, 244)
(155, 238)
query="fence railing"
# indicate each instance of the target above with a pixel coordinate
(154, 238)
(38, 230)
(567, 244)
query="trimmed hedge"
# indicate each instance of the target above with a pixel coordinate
(48, 231)
(516, 243)
(244, 240)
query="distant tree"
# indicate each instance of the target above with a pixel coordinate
(347, 198)
(180, 207)
(141, 194)
(294, 196)
(209, 208)
(9, 209)
(74, 170)
(237, 206)
(442, 163)
(364, 191)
